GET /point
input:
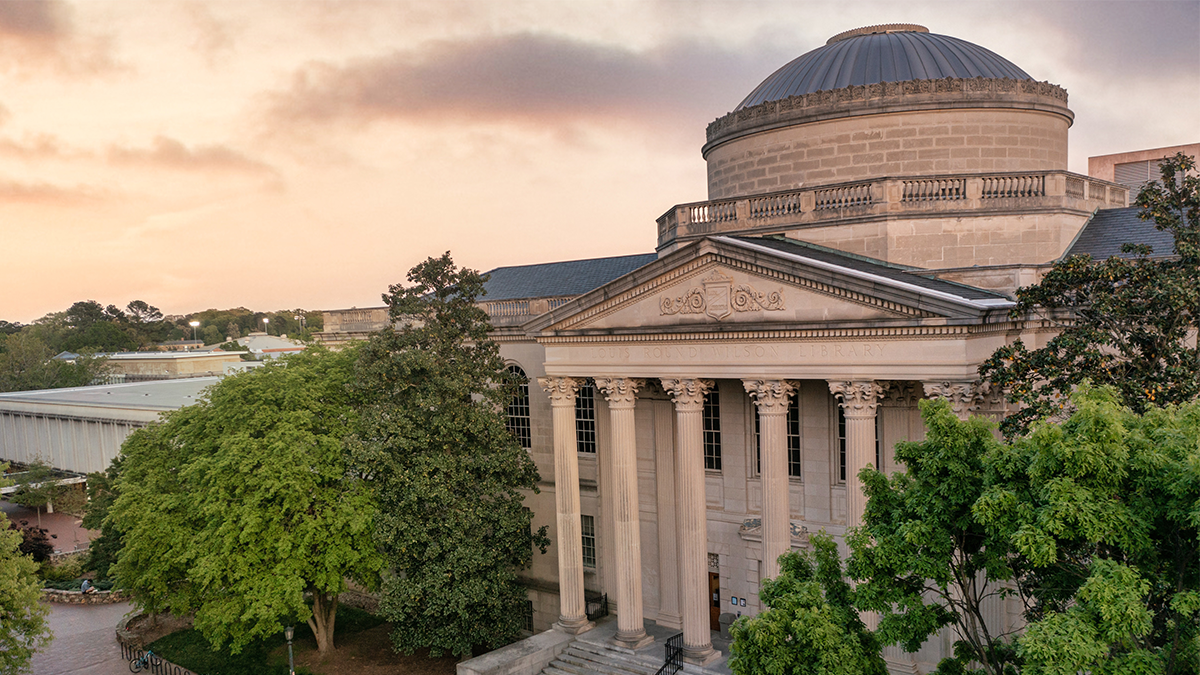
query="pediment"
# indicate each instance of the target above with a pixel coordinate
(713, 286)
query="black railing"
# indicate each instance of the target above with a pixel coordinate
(157, 665)
(596, 606)
(674, 661)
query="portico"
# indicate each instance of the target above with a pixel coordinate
(720, 317)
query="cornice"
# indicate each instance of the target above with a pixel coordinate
(883, 97)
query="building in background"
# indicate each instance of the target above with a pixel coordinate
(1135, 169)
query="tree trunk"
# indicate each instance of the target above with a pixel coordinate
(324, 612)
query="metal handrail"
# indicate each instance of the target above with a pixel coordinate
(674, 661)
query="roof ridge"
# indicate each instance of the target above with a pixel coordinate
(564, 262)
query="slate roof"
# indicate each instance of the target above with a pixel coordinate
(573, 277)
(1108, 229)
(882, 57)
(894, 272)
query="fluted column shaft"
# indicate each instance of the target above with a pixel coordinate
(859, 401)
(692, 520)
(621, 394)
(572, 608)
(771, 397)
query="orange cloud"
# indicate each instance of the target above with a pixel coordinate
(172, 154)
(46, 194)
(42, 34)
(524, 77)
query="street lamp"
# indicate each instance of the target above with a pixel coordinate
(288, 632)
(194, 325)
(265, 322)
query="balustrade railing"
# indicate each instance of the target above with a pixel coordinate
(773, 206)
(842, 196)
(1097, 191)
(1005, 187)
(934, 190)
(714, 212)
(1075, 187)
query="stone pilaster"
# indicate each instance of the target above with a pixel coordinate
(859, 401)
(572, 608)
(771, 397)
(621, 393)
(964, 397)
(692, 520)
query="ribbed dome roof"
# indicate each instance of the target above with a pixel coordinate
(889, 53)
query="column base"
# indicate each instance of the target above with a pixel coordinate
(574, 627)
(632, 642)
(700, 657)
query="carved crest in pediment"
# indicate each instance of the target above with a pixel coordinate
(718, 297)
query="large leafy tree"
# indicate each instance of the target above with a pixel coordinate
(810, 626)
(27, 363)
(450, 477)
(923, 560)
(242, 505)
(1103, 513)
(1123, 322)
(23, 628)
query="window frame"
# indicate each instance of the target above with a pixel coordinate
(711, 417)
(585, 419)
(587, 535)
(518, 424)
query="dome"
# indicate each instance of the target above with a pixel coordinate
(887, 53)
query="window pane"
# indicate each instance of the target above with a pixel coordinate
(793, 439)
(588, 527)
(585, 419)
(518, 409)
(841, 424)
(712, 431)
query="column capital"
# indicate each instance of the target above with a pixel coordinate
(771, 396)
(964, 397)
(687, 393)
(620, 392)
(561, 389)
(858, 399)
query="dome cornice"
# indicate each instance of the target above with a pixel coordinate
(889, 97)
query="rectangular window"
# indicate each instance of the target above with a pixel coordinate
(712, 431)
(588, 527)
(793, 439)
(878, 442)
(518, 410)
(529, 615)
(585, 419)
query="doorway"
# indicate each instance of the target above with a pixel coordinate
(714, 607)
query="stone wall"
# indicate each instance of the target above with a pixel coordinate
(78, 598)
(896, 144)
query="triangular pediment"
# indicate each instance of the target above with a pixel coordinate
(720, 283)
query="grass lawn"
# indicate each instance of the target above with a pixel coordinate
(361, 646)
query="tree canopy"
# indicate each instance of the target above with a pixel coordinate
(449, 475)
(811, 626)
(1124, 322)
(241, 505)
(23, 628)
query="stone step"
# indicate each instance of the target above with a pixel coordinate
(597, 662)
(554, 669)
(639, 661)
(595, 654)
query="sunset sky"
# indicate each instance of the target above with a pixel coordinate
(274, 155)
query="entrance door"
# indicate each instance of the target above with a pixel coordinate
(714, 608)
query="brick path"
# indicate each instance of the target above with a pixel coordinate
(68, 531)
(85, 641)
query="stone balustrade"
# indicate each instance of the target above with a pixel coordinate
(516, 312)
(892, 197)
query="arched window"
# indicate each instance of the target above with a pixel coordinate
(518, 409)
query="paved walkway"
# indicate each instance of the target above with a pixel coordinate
(85, 641)
(66, 531)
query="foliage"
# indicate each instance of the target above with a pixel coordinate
(27, 363)
(922, 559)
(811, 625)
(35, 541)
(449, 475)
(1106, 502)
(67, 568)
(101, 491)
(23, 628)
(1124, 322)
(238, 506)
(37, 486)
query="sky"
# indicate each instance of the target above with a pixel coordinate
(306, 153)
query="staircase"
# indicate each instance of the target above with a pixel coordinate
(589, 658)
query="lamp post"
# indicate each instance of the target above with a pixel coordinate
(194, 325)
(265, 322)
(288, 632)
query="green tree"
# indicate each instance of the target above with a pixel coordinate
(1104, 503)
(101, 492)
(23, 628)
(922, 559)
(811, 626)
(449, 475)
(240, 506)
(1124, 322)
(37, 487)
(27, 363)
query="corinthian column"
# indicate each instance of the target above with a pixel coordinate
(963, 396)
(771, 397)
(692, 522)
(621, 393)
(859, 401)
(572, 616)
